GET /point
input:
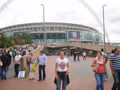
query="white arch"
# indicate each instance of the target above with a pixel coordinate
(95, 16)
(5, 5)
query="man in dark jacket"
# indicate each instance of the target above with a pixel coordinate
(4, 69)
(9, 56)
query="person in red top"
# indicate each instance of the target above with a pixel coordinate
(99, 63)
(36, 46)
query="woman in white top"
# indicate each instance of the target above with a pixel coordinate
(17, 63)
(61, 71)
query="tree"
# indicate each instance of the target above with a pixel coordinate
(27, 38)
(2, 40)
(22, 38)
(17, 39)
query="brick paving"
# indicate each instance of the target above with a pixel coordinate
(81, 78)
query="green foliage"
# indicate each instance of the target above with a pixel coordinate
(2, 40)
(27, 38)
(17, 39)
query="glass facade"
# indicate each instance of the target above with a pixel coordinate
(62, 37)
(91, 36)
(51, 37)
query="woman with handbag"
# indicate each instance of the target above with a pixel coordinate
(29, 62)
(99, 68)
(32, 67)
(61, 71)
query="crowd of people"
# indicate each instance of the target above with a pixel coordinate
(77, 55)
(13, 55)
(62, 67)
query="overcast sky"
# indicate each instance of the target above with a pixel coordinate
(68, 11)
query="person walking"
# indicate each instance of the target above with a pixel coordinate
(42, 59)
(17, 63)
(74, 56)
(78, 55)
(4, 68)
(99, 67)
(112, 53)
(84, 55)
(104, 55)
(115, 68)
(13, 52)
(61, 71)
(9, 56)
(23, 53)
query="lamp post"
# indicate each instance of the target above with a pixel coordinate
(104, 27)
(45, 32)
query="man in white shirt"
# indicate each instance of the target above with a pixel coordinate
(17, 63)
(84, 55)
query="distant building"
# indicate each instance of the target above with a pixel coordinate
(56, 32)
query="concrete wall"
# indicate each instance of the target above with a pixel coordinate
(94, 47)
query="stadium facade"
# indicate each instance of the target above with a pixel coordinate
(56, 32)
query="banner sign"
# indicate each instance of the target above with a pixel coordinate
(73, 35)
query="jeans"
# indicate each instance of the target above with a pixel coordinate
(74, 57)
(44, 73)
(114, 85)
(100, 80)
(29, 66)
(116, 78)
(4, 71)
(84, 57)
(0, 71)
(63, 80)
(78, 58)
(16, 69)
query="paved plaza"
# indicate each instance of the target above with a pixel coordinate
(81, 77)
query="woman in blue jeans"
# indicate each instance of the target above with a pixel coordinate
(99, 63)
(61, 71)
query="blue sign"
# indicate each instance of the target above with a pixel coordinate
(73, 35)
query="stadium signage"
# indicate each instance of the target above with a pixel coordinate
(73, 35)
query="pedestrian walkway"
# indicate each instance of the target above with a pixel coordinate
(81, 78)
(11, 72)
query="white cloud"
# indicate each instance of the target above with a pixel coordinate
(69, 11)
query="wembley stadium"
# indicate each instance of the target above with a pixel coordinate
(56, 32)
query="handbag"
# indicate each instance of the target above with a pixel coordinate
(95, 68)
(33, 67)
(1, 63)
(21, 74)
